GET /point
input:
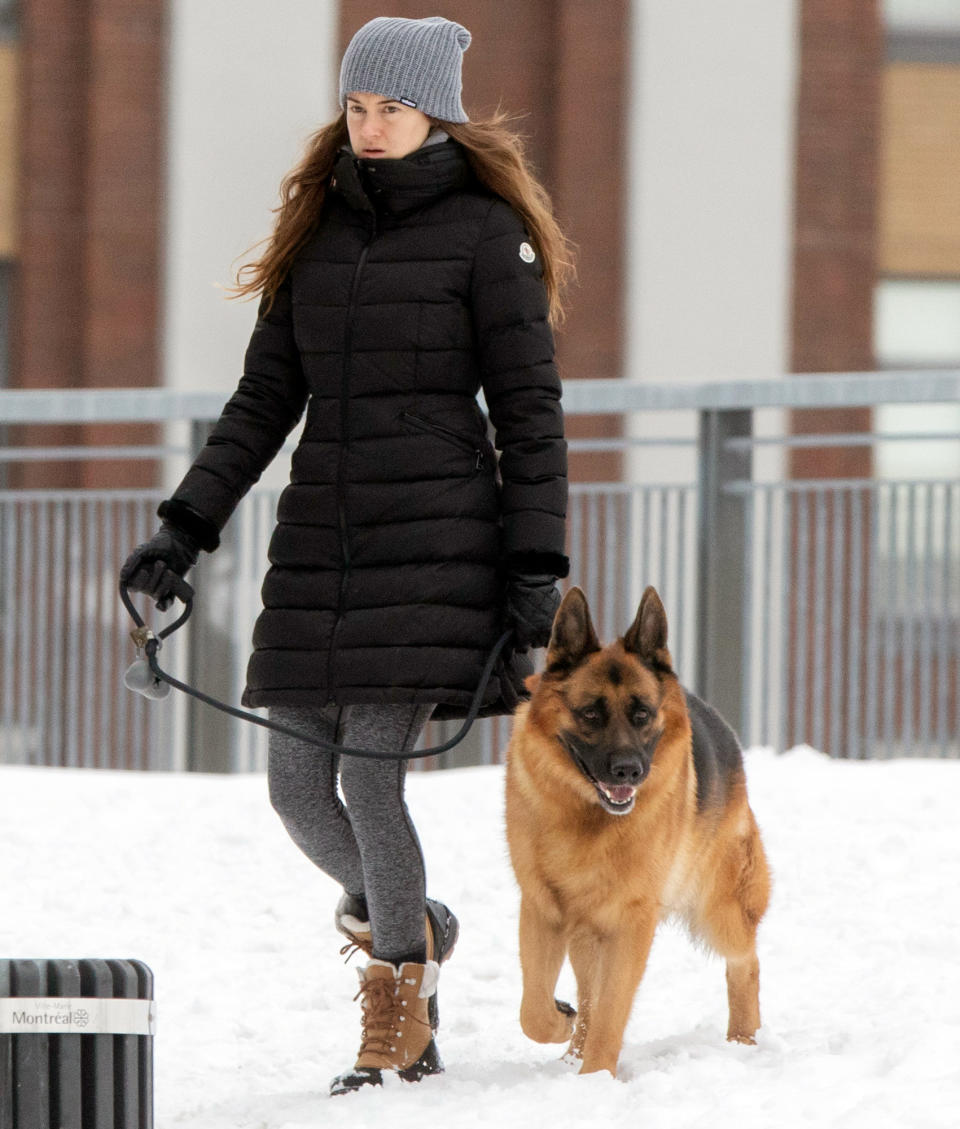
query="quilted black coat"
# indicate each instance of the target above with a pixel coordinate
(393, 537)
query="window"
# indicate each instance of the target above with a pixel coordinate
(9, 19)
(917, 325)
(922, 31)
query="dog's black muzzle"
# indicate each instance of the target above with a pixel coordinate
(616, 773)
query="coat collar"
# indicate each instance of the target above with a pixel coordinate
(400, 186)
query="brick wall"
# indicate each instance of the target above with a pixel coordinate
(837, 153)
(92, 124)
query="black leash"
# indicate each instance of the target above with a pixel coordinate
(148, 644)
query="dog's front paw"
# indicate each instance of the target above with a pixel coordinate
(552, 1026)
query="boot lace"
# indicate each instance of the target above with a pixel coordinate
(383, 1012)
(350, 949)
(378, 999)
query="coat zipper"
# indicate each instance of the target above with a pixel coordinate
(344, 413)
(444, 433)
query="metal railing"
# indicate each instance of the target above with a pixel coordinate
(822, 611)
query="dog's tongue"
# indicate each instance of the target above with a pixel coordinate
(620, 794)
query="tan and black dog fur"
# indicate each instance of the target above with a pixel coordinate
(626, 803)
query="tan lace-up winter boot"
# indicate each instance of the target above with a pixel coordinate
(442, 930)
(397, 1035)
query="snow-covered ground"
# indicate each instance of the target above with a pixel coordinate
(860, 956)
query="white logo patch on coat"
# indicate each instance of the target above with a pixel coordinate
(527, 253)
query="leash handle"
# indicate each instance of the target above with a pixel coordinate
(138, 619)
(149, 643)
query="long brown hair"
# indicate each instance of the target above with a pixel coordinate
(496, 155)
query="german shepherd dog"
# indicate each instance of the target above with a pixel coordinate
(626, 803)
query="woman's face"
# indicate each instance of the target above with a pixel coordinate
(383, 127)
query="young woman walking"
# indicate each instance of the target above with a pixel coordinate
(414, 262)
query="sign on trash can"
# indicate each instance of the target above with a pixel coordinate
(76, 1044)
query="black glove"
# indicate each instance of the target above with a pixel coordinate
(531, 604)
(157, 566)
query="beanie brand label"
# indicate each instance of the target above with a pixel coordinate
(68, 1015)
(408, 102)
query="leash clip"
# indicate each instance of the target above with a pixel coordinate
(141, 636)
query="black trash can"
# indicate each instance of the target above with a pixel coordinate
(76, 1044)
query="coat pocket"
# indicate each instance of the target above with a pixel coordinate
(464, 442)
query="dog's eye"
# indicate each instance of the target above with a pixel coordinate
(590, 715)
(641, 716)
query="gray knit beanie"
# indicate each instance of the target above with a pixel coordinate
(417, 62)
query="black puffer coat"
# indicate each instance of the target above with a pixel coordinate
(388, 560)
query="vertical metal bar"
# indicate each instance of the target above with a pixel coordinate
(24, 649)
(120, 732)
(593, 549)
(871, 712)
(909, 624)
(612, 552)
(110, 684)
(746, 606)
(7, 566)
(630, 575)
(41, 627)
(59, 632)
(948, 623)
(92, 755)
(680, 595)
(645, 538)
(663, 573)
(787, 560)
(766, 657)
(854, 666)
(892, 610)
(818, 598)
(837, 663)
(720, 559)
(926, 627)
(73, 614)
(8, 526)
(801, 731)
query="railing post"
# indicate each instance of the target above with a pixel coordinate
(721, 557)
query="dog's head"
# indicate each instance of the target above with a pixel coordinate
(605, 705)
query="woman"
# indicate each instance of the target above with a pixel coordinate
(414, 262)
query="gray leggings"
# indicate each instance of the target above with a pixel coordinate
(369, 846)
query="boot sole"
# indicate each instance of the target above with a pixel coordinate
(428, 1063)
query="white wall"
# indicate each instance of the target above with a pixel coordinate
(248, 82)
(710, 213)
(710, 209)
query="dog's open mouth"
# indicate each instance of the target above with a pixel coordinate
(618, 798)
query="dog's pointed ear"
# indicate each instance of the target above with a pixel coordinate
(573, 636)
(647, 637)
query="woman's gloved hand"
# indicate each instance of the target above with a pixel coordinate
(531, 604)
(157, 567)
